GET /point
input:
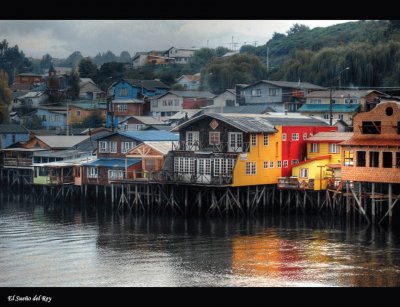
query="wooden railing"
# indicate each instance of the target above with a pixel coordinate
(206, 146)
(295, 183)
(172, 177)
(17, 162)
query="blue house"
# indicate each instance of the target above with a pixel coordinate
(53, 117)
(130, 98)
(10, 134)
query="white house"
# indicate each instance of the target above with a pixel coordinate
(226, 99)
(189, 82)
(181, 55)
(140, 59)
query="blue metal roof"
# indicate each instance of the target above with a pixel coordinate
(151, 135)
(325, 108)
(113, 163)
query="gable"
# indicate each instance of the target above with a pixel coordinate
(144, 150)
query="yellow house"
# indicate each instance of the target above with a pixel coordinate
(260, 164)
(323, 163)
(78, 112)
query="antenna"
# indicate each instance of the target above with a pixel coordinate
(255, 43)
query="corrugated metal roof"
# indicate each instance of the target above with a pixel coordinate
(243, 122)
(150, 85)
(114, 163)
(193, 94)
(342, 94)
(129, 100)
(90, 144)
(62, 141)
(151, 135)
(12, 129)
(66, 163)
(248, 109)
(60, 153)
(294, 120)
(346, 108)
(295, 85)
(161, 146)
(330, 136)
(147, 120)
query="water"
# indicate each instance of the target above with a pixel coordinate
(60, 246)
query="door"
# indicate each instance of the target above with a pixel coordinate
(203, 170)
(235, 141)
(192, 140)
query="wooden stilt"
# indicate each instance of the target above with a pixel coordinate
(390, 202)
(373, 202)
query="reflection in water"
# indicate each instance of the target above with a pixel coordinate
(87, 246)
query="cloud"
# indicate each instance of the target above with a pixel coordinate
(60, 38)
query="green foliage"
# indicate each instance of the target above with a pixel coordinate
(220, 51)
(222, 74)
(73, 60)
(87, 69)
(5, 97)
(94, 120)
(297, 28)
(201, 58)
(13, 61)
(33, 122)
(45, 62)
(74, 82)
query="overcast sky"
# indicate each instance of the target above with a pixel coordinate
(60, 38)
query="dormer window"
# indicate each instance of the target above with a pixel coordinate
(371, 127)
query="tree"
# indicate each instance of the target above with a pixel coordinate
(223, 74)
(87, 69)
(94, 120)
(5, 97)
(46, 62)
(220, 51)
(73, 59)
(74, 82)
(125, 57)
(200, 58)
(33, 122)
(277, 36)
(13, 61)
(248, 49)
(297, 28)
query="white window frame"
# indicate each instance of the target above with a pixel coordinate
(92, 172)
(235, 141)
(103, 147)
(113, 146)
(333, 148)
(251, 168)
(285, 164)
(295, 162)
(283, 137)
(115, 174)
(303, 173)
(213, 139)
(127, 146)
(279, 164)
(256, 92)
(253, 138)
(266, 139)
(305, 136)
(192, 140)
(295, 136)
(266, 164)
(314, 147)
(271, 164)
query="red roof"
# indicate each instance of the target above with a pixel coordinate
(376, 141)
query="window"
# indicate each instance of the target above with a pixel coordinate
(315, 101)
(170, 102)
(78, 113)
(326, 116)
(295, 137)
(103, 146)
(92, 172)
(204, 166)
(285, 163)
(113, 147)
(256, 92)
(348, 158)
(398, 159)
(127, 146)
(250, 168)
(305, 136)
(265, 164)
(340, 116)
(253, 140)
(350, 100)
(314, 147)
(192, 140)
(122, 107)
(294, 162)
(333, 148)
(273, 91)
(304, 173)
(235, 141)
(223, 166)
(374, 159)
(361, 159)
(371, 127)
(123, 92)
(154, 103)
(115, 175)
(387, 159)
(176, 102)
(271, 164)
(214, 138)
(266, 139)
(184, 165)
(283, 136)
(279, 164)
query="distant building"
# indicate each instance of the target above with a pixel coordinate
(189, 82)
(226, 99)
(181, 55)
(88, 90)
(29, 78)
(10, 134)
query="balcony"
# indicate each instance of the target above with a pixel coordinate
(206, 146)
(294, 183)
(203, 179)
(17, 162)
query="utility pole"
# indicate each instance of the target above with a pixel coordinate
(267, 59)
(67, 118)
(330, 95)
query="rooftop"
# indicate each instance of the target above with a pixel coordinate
(335, 137)
(344, 108)
(12, 129)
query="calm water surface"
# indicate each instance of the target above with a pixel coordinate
(83, 246)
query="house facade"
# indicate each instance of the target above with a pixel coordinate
(173, 102)
(238, 149)
(79, 111)
(286, 95)
(189, 82)
(181, 55)
(53, 117)
(323, 164)
(28, 78)
(373, 152)
(88, 90)
(226, 99)
(10, 134)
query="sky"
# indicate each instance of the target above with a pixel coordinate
(60, 38)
